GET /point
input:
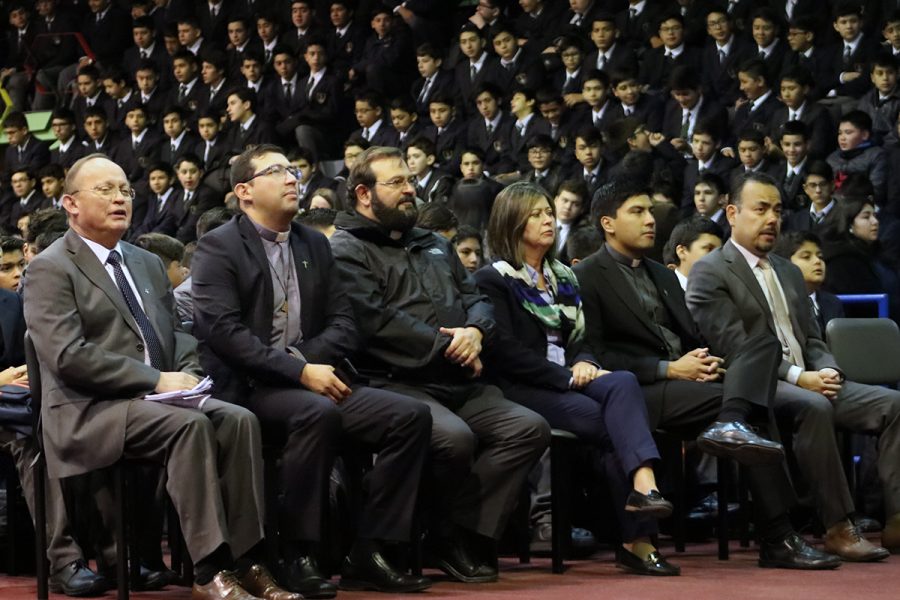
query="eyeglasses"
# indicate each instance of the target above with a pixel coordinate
(571, 54)
(110, 192)
(717, 22)
(399, 182)
(278, 171)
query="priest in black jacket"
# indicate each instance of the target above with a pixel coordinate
(274, 324)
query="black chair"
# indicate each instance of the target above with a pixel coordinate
(126, 572)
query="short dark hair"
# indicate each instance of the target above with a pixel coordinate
(187, 55)
(16, 119)
(590, 135)
(795, 128)
(609, 198)
(96, 111)
(436, 216)
(858, 119)
(847, 8)
(575, 186)
(885, 60)
(427, 49)
(317, 217)
(189, 157)
(714, 181)
(467, 232)
(689, 231)
(749, 177)
(245, 94)
(799, 74)
(820, 168)
(242, 168)
(165, 247)
(63, 114)
(424, 144)
(540, 140)
(752, 134)
(212, 218)
(757, 69)
(45, 220)
(683, 77)
(217, 58)
(162, 166)
(790, 241)
(10, 243)
(144, 22)
(54, 170)
(596, 74)
(582, 242)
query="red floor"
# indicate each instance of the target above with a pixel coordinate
(703, 576)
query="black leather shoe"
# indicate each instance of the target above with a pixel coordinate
(736, 440)
(651, 505)
(77, 579)
(655, 564)
(866, 524)
(371, 571)
(302, 575)
(794, 553)
(452, 557)
(150, 579)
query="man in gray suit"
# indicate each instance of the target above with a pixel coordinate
(741, 291)
(102, 318)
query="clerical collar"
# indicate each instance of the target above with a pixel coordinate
(622, 259)
(269, 235)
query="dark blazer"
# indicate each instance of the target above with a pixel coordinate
(75, 151)
(490, 71)
(134, 161)
(821, 64)
(720, 79)
(622, 58)
(710, 111)
(35, 156)
(830, 307)
(386, 134)
(215, 29)
(131, 59)
(792, 192)
(518, 353)
(551, 181)
(867, 48)
(437, 189)
(218, 100)
(527, 69)
(345, 50)
(516, 146)
(79, 107)
(51, 49)
(822, 132)
(156, 221)
(191, 102)
(189, 144)
(233, 299)
(760, 118)
(643, 26)
(91, 363)
(12, 330)
(104, 145)
(318, 180)
(801, 220)
(655, 67)
(259, 132)
(648, 110)
(721, 166)
(729, 306)
(448, 144)
(444, 85)
(109, 37)
(155, 105)
(236, 57)
(218, 154)
(17, 210)
(495, 147)
(201, 201)
(619, 332)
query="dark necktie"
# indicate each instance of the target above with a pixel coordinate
(473, 72)
(722, 57)
(789, 179)
(154, 348)
(424, 93)
(489, 129)
(685, 125)
(144, 54)
(182, 92)
(309, 86)
(268, 56)
(848, 51)
(174, 150)
(287, 90)
(21, 155)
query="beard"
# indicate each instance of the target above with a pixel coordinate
(394, 219)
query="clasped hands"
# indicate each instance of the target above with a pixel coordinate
(584, 372)
(825, 381)
(464, 348)
(696, 365)
(14, 376)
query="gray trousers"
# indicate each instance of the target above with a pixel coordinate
(214, 469)
(481, 452)
(811, 420)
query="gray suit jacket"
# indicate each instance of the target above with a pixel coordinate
(91, 350)
(729, 306)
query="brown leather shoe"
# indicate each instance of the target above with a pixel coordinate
(890, 536)
(259, 582)
(844, 540)
(224, 586)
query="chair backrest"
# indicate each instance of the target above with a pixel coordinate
(866, 350)
(34, 382)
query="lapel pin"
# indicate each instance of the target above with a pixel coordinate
(305, 264)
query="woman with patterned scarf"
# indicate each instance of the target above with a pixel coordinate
(540, 359)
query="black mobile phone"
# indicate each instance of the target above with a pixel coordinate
(346, 372)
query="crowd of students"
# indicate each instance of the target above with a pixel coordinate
(515, 104)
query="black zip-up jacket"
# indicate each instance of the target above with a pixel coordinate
(402, 292)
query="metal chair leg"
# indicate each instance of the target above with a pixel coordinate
(40, 529)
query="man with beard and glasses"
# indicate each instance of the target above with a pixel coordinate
(275, 332)
(423, 322)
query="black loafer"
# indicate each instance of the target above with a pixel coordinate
(302, 575)
(78, 580)
(655, 564)
(374, 572)
(737, 441)
(794, 553)
(651, 505)
(452, 557)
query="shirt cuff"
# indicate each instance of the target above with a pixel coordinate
(793, 375)
(662, 370)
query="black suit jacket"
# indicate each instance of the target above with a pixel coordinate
(822, 132)
(233, 300)
(867, 48)
(490, 71)
(444, 86)
(51, 49)
(760, 118)
(108, 37)
(721, 166)
(792, 193)
(655, 67)
(131, 59)
(134, 161)
(259, 132)
(618, 330)
(35, 156)
(821, 64)
(75, 151)
(201, 201)
(622, 57)
(518, 353)
(156, 221)
(830, 307)
(495, 147)
(710, 111)
(190, 143)
(17, 210)
(12, 330)
(720, 79)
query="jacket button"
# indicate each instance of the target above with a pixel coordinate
(140, 347)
